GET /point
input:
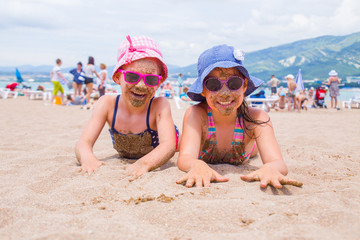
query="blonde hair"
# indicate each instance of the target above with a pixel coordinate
(103, 65)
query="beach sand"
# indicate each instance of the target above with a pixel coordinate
(44, 197)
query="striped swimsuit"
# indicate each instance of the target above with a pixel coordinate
(236, 155)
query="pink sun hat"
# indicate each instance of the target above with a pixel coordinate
(139, 47)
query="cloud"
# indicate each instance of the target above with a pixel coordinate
(74, 29)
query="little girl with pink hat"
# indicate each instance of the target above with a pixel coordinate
(141, 126)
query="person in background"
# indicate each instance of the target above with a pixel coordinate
(40, 88)
(103, 81)
(73, 100)
(280, 103)
(302, 100)
(274, 82)
(168, 90)
(181, 82)
(57, 79)
(291, 84)
(311, 96)
(90, 71)
(78, 80)
(183, 96)
(333, 83)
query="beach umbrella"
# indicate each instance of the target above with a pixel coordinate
(19, 79)
(299, 82)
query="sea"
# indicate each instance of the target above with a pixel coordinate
(345, 93)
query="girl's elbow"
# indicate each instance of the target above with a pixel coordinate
(180, 164)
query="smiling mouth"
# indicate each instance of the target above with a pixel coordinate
(138, 95)
(225, 103)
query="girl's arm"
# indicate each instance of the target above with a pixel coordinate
(198, 172)
(167, 141)
(274, 170)
(84, 147)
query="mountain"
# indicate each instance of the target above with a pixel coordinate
(316, 57)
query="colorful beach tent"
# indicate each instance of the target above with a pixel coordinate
(299, 81)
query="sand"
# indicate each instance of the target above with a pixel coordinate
(44, 197)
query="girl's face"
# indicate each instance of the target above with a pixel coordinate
(224, 101)
(138, 94)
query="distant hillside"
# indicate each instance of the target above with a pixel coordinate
(316, 57)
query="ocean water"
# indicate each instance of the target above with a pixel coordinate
(345, 93)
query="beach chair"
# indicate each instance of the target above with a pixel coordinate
(354, 100)
(5, 93)
(34, 95)
(260, 100)
(347, 103)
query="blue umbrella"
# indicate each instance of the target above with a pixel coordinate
(19, 79)
(299, 81)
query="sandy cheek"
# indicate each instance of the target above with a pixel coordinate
(224, 110)
(139, 101)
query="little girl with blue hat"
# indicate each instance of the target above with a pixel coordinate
(221, 56)
(222, 128)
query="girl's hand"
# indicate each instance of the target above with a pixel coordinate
(268, 175)
(91, 166)
(136, 169)
(201, 174)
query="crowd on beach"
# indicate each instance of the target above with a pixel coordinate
(96, 84)
(89, 85)
(297, 98)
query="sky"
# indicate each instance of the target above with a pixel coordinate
(36, 32)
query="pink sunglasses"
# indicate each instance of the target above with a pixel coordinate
(150, 80)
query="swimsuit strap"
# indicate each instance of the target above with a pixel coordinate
(211, 124)
(115, 111)
(148, 114)
(246, 156)
(238, 131)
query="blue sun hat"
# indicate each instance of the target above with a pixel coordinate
(222, 56)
